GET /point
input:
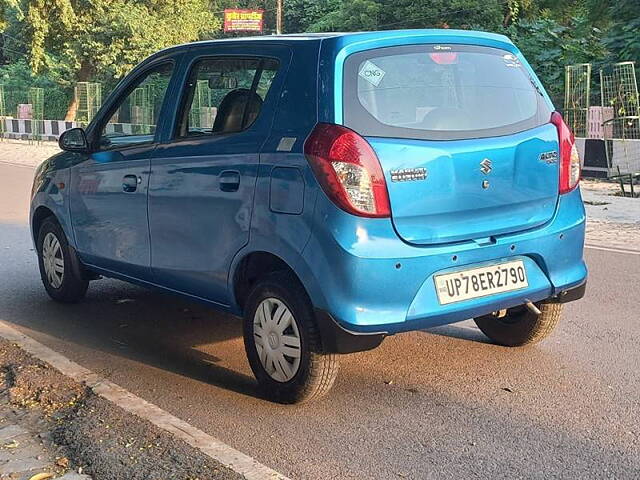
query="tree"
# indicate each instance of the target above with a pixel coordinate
(106, 36)
(299, 15)
(348, 16)
(549, 46)
(621, 36)
(479, 14)
(358, 15)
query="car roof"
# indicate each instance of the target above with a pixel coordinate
(337, 41)
(345, 38)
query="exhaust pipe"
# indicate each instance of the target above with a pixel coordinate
(532, 308)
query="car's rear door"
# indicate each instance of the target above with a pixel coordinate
(463, 135)
(109, 186)
(204, 175)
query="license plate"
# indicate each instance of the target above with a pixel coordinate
(480, 282)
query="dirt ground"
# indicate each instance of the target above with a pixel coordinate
(28, 154)
(89, 433)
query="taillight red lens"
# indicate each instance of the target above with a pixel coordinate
(348, 170)
(569, 158)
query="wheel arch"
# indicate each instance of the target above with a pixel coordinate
(44, 205)
(249, 266)
(39, 215)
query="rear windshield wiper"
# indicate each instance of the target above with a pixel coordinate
(535, 85)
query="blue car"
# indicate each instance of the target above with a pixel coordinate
(331, 189)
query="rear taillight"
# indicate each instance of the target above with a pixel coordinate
(348, 170)
(569, 158)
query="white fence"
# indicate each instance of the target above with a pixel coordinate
(600, 157)
(50, 130)
(34, 129)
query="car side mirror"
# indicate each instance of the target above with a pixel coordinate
(74, 140)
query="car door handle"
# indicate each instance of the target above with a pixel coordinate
(130, 183)
(229, 181)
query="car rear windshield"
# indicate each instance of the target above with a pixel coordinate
(440, 92)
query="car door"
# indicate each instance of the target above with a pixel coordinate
(203, 177)
(109, 188)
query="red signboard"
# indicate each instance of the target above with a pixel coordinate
(238, 20)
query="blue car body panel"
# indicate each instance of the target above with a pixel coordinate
(213, 178)
(183, 231)
(110, 225)
(378, 283)
(455, 206)
(47, 196)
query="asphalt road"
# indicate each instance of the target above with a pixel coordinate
(441, 403)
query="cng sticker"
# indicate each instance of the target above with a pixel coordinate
(372, 73)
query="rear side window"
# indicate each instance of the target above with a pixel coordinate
(440, 92)
(225, 95)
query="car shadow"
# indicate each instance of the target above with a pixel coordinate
(148, 326)
(145, 327)
(117, 318)
(461, 332)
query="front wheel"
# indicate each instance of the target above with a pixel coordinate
(283, 344)
(63, 282)
(520, 326)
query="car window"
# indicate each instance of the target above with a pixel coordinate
(136, 115)
(440, 92)
(225, 95)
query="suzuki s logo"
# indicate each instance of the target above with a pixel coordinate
(486, 166)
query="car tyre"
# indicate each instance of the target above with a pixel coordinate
(283, 344)
(520, 326)
(60, 270)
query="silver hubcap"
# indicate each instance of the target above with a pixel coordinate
(53, 260)
(277, 339)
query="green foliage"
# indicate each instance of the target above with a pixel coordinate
(484, 15)
(300, 15)
(349, 15)
(84, 37)
(77, 40)
(549, 46)
(17, 78)
(110, 35)
(19, 75)
(359, 15)
(622, 38)
(66, 41)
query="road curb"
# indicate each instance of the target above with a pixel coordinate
(208, 445)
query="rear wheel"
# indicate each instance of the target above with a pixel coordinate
(520, 326)
(283, 344)
(64, 281)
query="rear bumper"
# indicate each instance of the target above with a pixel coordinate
(337, 339)
(371, 282)
(569, 295)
